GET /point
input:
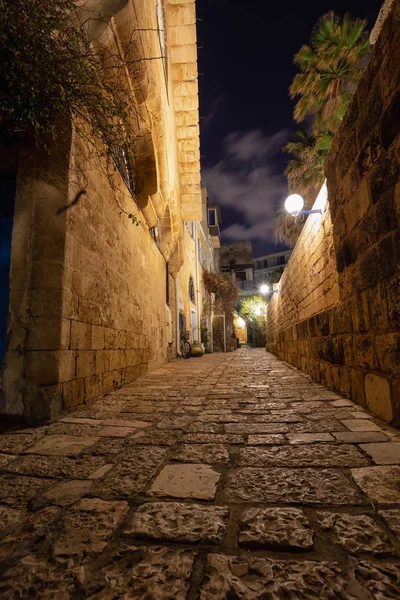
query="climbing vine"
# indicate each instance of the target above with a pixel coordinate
(225, 291)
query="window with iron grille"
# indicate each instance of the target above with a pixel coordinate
(123, 163)
(182, 322)
(191, 290)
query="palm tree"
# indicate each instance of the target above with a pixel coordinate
(306, 170)
(305, 174)
(330, 69)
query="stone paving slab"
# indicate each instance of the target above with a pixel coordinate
(383, 454)
(380, 484)
(227, 477)
(156, 573)
(132, 473)
(179, 522)
(186, 481)
(276, 528)
(356, 533)
(259, 578)
(201, 453)
(273, 485)
(317, 455)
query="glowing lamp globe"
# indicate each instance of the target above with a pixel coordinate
(264, 289)
(294, 203)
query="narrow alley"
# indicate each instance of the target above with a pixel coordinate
(227, 477)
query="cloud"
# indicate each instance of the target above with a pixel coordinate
(247, 182)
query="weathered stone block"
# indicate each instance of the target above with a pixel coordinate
(62, 445)
(384, 175)
(318, 455)
(357, 386)
(81, 335)
(360, 312)
(66, 360)
(186, 481)
(201, 453)
(181, 14)
(42, 367)
(73, 393)
(48, 333)
(85, 363)
(93, 386)
(178, 522)
(377, 396)
(283, 528)
(87, 526)
(98, 338)
(379, 483)
(393, 301)
(364, 354)
(254, 577)
(133, 471)
(388, 352)
(356, 533)
(153, 572)
(180, 35)
(271, 485)
(370, 112)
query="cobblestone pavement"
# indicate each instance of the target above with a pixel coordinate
(225, 477)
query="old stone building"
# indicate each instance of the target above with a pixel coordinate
(201, 243)
(94, 299)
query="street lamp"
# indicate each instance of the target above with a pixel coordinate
(264, 289)
(294, 205)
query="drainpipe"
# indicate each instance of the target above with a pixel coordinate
(178, 346)
(196, 239)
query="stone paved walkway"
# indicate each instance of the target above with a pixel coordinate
(225, 477)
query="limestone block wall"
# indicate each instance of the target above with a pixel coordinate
(351, 343)
(88, 289)
(309, 283)
(115, 281)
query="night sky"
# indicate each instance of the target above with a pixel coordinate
(246, 50)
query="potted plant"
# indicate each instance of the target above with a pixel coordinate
(197, 349)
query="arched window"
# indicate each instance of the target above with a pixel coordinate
(191, 290)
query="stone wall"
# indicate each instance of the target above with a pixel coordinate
(309, 283)
(88, 300)
(351, 341)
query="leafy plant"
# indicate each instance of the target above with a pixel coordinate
(330, 69)
(53, 73)
(225, 294)
(51, 70)
(252, 310)
(250, 307)
(225, 290)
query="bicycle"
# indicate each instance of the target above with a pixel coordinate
(185, 347)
